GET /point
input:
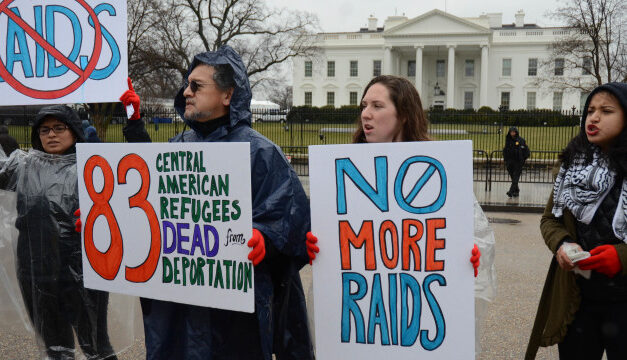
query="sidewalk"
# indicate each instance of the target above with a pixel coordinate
(533, 197)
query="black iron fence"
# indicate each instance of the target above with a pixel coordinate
(546, 133)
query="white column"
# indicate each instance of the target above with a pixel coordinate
(483, 87)
(387, 61)
(419, 68)
(398, 68)
(450, 78)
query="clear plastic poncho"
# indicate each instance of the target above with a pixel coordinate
(41, 283)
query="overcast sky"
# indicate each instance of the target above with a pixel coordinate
(350, 15)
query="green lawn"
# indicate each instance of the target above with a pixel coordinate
(484, 137)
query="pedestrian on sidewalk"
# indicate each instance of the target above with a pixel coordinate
(515, 153)
(586, 314)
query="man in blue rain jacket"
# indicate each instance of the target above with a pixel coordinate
(215, 104)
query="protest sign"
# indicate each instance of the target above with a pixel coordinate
(393, 278)
(62, 51)
(168, 221)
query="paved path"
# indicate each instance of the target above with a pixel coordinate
(521, 261)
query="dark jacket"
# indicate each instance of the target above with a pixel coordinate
(516, 150)
(281, 212)
(8, 144)
(561, 295)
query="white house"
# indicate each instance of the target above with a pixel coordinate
(454, 63)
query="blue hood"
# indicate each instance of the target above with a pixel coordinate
(242, 94)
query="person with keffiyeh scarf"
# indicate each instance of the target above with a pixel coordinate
(587, 316)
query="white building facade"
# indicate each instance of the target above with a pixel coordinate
(453, 62)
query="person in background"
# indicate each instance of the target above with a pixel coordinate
(515, 153)
(49, 261)
(7, 142)
(586, 215)
(91, 135)
(215, 103)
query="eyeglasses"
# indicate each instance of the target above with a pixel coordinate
(194, 85)
(58, 129)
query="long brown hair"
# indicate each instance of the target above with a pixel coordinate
(413, 123)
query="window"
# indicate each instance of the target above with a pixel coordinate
(330, 98)
(557, 101)
(439, 68)
(353, 68)
(532, 70)
(330, 68)
(352, 98)
(411, 68)
(308, 68)
(587, 66)
(507, 67)
(505, 100)
(308, 97)
(582, 101)
(559, 67)
(468, 100)
(469, 68)
(376, 68)
(531, 100)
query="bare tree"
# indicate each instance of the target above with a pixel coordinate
(590, 54)
(283, 96)
(264, 37)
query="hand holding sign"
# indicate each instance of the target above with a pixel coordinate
(130, 100)
(259, 247)
(78, 224)
(475, 254)
(312, 248)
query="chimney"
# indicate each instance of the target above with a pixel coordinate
(520, 18)
(372, 23)
(495, 20)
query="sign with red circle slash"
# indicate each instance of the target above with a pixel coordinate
(62, 51)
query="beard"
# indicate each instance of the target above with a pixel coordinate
(200, 116)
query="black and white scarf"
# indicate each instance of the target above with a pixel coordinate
(582, 187)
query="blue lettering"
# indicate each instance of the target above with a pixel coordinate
(405, 203)
(16, 33)
(393, 326)
(409, 330)
(53, 69)
(99, 74)
(349, 306)
(440, 327)
(377, 313)
(378, 197)
(40, 59)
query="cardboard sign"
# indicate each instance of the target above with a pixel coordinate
(393, 278)
(62, 51)
(168, 221)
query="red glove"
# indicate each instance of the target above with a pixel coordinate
(603, 259)
(312, 248)
(78, 223)
(259, 247)
(131, 97)
(475, 254)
